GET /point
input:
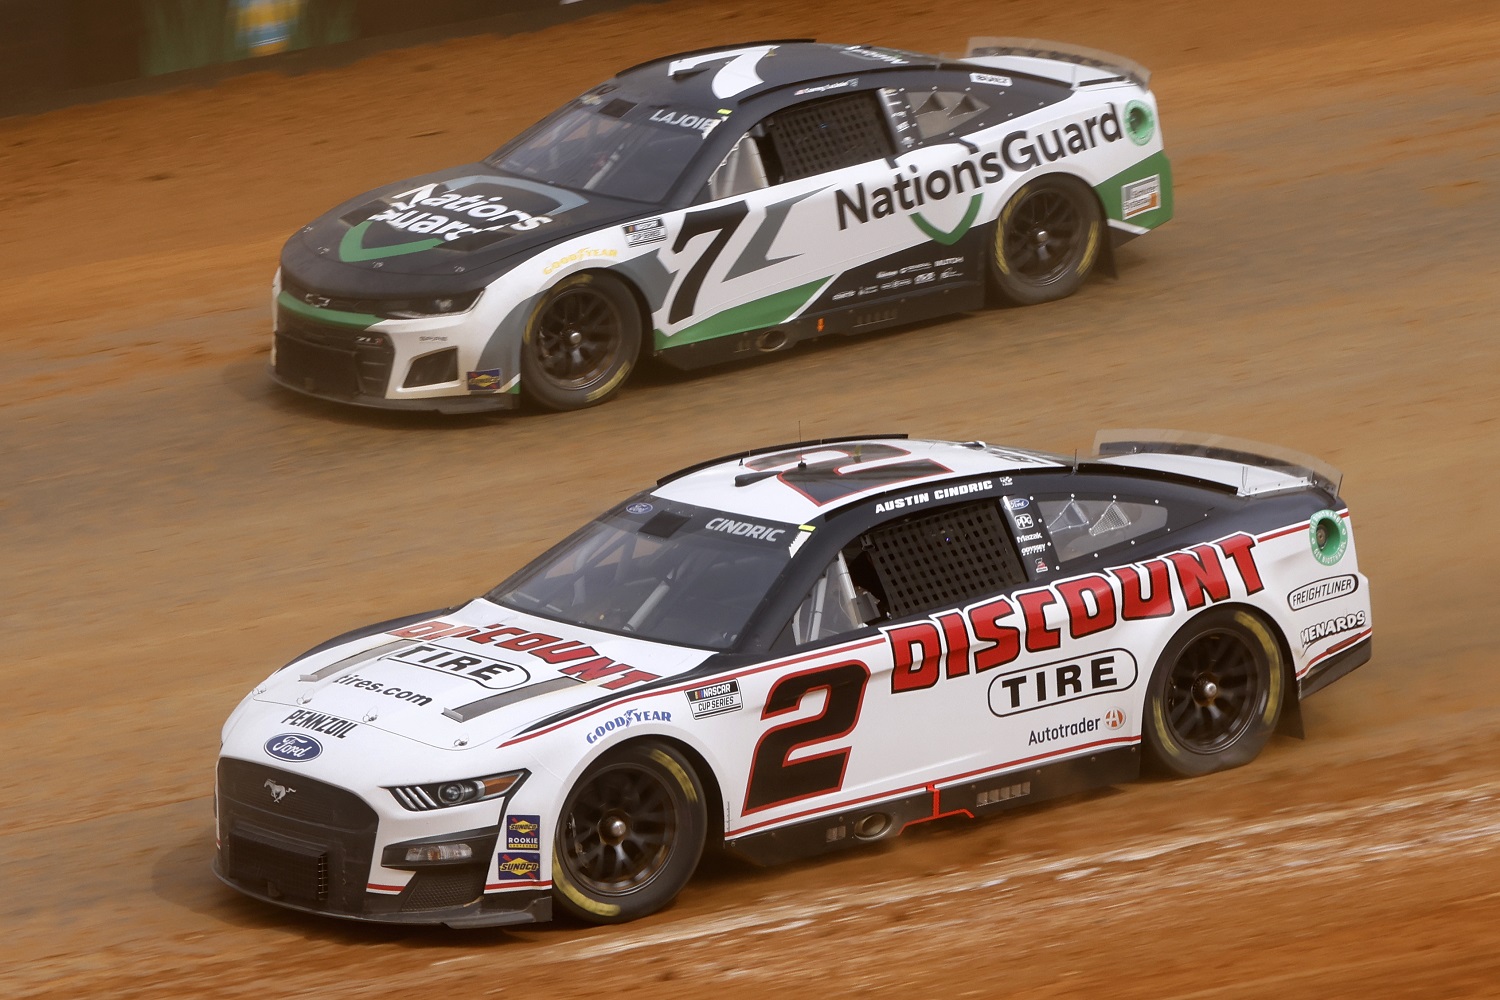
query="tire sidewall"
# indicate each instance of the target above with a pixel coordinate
(1169, 753)
(678, 776)
(539, 388)
(1008, 283)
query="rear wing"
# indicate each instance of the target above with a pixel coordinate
(1033, 55)
(1283, 468)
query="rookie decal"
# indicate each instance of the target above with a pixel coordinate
(328, 725)
(293, 747)
(1066, 680)
(572, 658)
(997, 631)
(523, 833)
(1322, 590)
(1332, 627)
(714, 699)
(518, 867)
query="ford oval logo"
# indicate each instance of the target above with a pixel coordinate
(293, 747)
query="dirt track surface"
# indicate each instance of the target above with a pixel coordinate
(174, 527)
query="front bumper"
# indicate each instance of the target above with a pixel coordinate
(312, 851)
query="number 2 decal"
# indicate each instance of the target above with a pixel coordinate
(721, 219)
(774, 777)
(858, 468)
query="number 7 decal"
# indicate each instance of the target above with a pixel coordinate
(774, 777)
(721, 219)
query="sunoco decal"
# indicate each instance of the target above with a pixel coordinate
(523, 833)
(518, 867)
(1322, 590)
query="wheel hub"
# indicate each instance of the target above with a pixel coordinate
(574, 338)
(1206, 690)
(613, 830)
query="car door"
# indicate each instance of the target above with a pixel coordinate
(764, 239)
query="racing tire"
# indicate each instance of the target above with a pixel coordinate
(1046, 240)
(581, 342)
(1215, 695)
(629, 835)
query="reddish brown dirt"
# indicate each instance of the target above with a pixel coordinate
(174, 528)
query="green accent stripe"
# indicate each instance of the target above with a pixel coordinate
(352, 246)
(753, 315)
(333, 317)
(1111, 193)
(947, 239)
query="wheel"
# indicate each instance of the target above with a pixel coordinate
(629, 835)
(1215, 695)
(1046, 240)
(580, 343)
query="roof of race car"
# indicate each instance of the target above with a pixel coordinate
(796, 483)
(726, 76)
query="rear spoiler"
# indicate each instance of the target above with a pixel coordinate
(1117, 67)
(1153, 441)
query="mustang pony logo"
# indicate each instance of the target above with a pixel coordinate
(278, 792)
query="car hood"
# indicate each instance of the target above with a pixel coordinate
(464, 678)
(453, 227)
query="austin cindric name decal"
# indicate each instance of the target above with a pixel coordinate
(571, 657)
(972, 640)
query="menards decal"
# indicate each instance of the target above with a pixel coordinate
(972, 640)
(572, 658)
(1021, 151)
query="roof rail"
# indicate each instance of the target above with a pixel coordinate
(714, 48)
(740, 455)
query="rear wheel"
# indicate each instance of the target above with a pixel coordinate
(1046, 240)
(629, 836)
(1215, 695)
(581, 342)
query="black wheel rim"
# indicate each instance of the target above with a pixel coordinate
(1042, 236)
(578, 338)
(618, 833)
(1214, 691)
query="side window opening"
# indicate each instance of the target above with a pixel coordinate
(827, 134)
(743, 170)
(938, 112)
(1086, 526)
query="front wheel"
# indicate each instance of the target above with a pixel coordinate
(1215, 695)
(629, 835)
(580, 343)
(1046, 240)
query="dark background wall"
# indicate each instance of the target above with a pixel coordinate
(56, 52)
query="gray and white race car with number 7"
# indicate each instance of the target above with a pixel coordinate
(722, 204)
(791, 651)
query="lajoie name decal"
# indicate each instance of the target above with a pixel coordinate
(993, 633)
(572, 658)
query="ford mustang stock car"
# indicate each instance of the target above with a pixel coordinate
(790, 651)
(720, 204)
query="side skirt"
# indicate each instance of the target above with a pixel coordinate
(990, 794)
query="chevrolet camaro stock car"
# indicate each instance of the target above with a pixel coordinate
(790, 651)
(721, 204)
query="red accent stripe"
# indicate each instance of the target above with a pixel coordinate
(377, 887)
(1339, 646)
(1294, 528)
(614, 706)
(518, 884)
(893, 793)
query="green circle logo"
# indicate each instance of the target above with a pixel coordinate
(1140, 123)
(1328, 536)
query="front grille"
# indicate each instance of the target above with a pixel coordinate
(432, 889)
(330, 360)
(313, 844)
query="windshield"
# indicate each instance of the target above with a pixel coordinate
(617, 148)
(668, 572)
